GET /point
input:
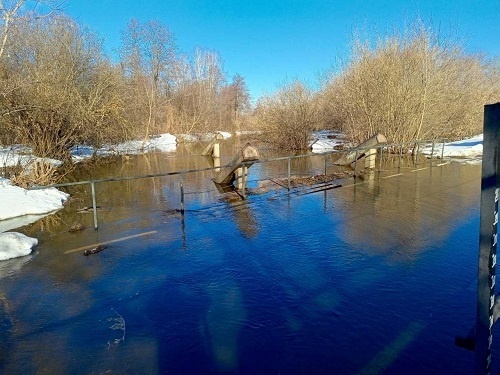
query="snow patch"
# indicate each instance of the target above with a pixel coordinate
(13, 245)
(21, 156)
(205, 137)
(17, 201)
(164, 143)
(466, 148)
(248, 132)
(20, 207)
(325, 141)
(226, 135)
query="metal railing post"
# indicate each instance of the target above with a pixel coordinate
(289, 173)
(415, 156)
(432, 151)
(355, 162)
(442, 151)
(243, 181)
(94, 204)
(380, 161)
(400, 156)
(326, 155)
(181, 183)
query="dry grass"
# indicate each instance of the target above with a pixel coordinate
(37, 173)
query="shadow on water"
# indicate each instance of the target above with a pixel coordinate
(367, 278)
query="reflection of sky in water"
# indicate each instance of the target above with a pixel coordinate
(371, 278)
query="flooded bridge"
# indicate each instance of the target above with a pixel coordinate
(305, 274)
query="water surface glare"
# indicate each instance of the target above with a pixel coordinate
(376, 277)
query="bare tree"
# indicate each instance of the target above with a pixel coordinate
(235, 101)
(412, 86)
(289, 116)
(10, 10)
(147, 54)
(67, 93)
(195, 104)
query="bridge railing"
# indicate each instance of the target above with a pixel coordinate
(327, 155)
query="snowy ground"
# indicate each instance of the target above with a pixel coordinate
(207, 137)
(20, 155)
(325, 141)
(20, 207)
(164, 143)
(470, 149)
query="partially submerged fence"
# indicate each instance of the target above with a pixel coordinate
(327, 156)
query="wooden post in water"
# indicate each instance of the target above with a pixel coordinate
(239, 177)
(370, 158)
(400, 156)
(355, 162)
(363, 148)
(247, 155)
(488, 238)
(380, 159)
(216, 165)
(432, 151)
(213, 148)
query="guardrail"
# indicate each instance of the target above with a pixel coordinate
(243, 165)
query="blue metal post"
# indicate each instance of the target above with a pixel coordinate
(488, 238)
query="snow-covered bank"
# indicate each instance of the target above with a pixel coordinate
(206, 137)
(163, 143)
(465, 149)
(17, 201)
(19, 207)
(13, 245)
(324, 141)
(21, 156)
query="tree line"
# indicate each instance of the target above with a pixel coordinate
(413, 85)
(59, 89)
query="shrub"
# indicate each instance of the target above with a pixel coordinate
(288, 117)
(37, 173)
(409, 87)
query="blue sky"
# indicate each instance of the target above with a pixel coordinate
(269, 41)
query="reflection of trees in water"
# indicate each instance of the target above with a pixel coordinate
(409, 213)
(49, 224)
(303, 166)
